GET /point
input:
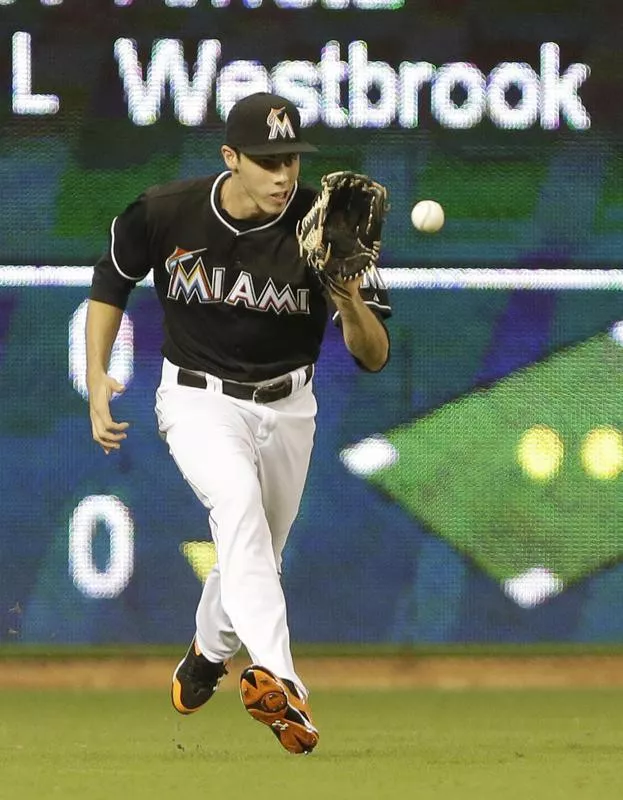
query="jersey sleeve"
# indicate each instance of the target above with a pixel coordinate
(126, 261)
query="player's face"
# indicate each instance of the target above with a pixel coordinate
(266, 182)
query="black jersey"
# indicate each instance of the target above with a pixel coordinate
(239, 302)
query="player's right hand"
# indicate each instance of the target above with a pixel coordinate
(106, 432)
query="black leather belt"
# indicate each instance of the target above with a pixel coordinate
(257, 393)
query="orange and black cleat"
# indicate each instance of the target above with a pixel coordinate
(195, 680)
(275, 702)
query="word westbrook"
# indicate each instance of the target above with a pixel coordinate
(338, 92)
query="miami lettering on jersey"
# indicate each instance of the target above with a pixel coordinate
(189, 277)
(189, 281)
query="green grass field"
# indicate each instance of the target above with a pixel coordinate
(417, 744)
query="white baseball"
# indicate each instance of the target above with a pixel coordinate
(427, 216)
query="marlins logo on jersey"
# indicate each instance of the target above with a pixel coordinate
(189, 277)
(279, 123)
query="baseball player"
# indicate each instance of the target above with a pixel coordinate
(244, 317)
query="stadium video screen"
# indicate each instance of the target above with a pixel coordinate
(469, 492)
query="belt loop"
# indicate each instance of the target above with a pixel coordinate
(299, 379)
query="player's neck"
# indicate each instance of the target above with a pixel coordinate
(237, 203)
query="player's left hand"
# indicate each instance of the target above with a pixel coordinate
(340, 236)
(343, 290)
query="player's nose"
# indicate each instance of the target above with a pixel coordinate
(282, 172)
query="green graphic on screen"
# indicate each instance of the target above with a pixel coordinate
(520, 476)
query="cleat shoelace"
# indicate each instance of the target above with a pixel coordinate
(201, 671)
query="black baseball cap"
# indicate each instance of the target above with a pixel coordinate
(263, 123)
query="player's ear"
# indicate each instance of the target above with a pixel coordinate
(231, 157)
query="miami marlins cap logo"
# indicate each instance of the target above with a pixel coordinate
(262, 124)
(279, 124)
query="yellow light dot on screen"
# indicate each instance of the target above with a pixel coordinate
(540, 452)
(201, 556)
(602, 453)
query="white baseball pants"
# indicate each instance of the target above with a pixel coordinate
(247, 463)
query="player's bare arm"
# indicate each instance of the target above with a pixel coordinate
(364, 336)
(102, 326)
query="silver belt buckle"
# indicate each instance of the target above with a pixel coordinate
(265, 392)
(254, 397)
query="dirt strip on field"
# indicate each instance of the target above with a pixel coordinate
(409, 671)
